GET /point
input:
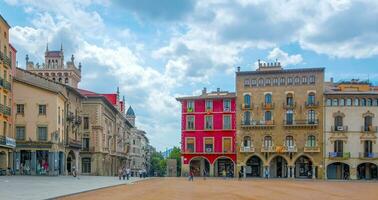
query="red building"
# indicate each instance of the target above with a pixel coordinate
(208, 132)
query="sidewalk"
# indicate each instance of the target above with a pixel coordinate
(44, 187)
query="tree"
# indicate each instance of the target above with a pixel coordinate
(176, 154)
(158, 164)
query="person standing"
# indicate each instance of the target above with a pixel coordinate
(119, 173)
(191, 175)
(127, 173)
(240, 174)
(266, 173)
(224, 173)
(204, 174)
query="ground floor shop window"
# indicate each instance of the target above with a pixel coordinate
(25, 162)
(42, 162)
(86, 165)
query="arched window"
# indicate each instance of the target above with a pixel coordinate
(289, 117)
(311, 117)
(282, 81)
(247, 118)
(261, 82)
(338, 123)
(267, 141)
(335, 102)
(247, 101)
(267, 82)
(289, 99)
(268, 98)
(304, 80)
(329, 102)
(369, 102)
(275, 81)
(296, 80)
(311, 141)
(342, 102)
(66, 80)
(356, 102)
(338, 147)
(289, 142)
(375, 103)
(247, 141)
(268, 115)
(363, 102)
(311, 98)
(349, 102)
(60, 80)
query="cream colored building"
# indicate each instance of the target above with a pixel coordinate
(7, 63)
(351, 121)
(280, 122)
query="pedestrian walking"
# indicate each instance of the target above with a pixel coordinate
(119, 173)
(224, 173)
(241, 174)
(127, 173)
(191, 175)
(124, 173)
(204, 174)
(266, 174)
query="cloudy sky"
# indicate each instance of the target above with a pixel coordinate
(158, 50)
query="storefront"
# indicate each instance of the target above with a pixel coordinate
(224, 167)
(254, 167)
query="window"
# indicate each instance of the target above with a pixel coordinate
(86, 165)
(42, 109)
(329, 102)
(338, 123)
(20, 133)
(58, 115)
(246, 83)
(226, 121)
(189, 122)
(290, 81)
(363, 102)
(311, 141)
(66, 80)
(247, 141)
(267, 81)
(368, 148)
(190, 145)
(268, 98)
(42, 133)
(369, 102)
(338, 146)
(227, 105)
(86, 143)
(5, 125)
(335, 102)
(375, 102)
(208, 122)
(261, 82)
(86, 123)
(289, 117)
(304, 80)
(254, 82)
(209, 105)
(342, 102)
(209, 145)
(20, 109)
(289, 99)
(190, 106)
(268, 115)
(267, 141)
(282, 81)
(311, 117)
(275, 81)
(296, 80)
(289, 142)
(356, 102)
(246, 118)
(312, 79)
(311, 98)
(368, 122)
(247, 101)
(227, 145)
(349, 102)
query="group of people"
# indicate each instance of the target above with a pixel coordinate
(123, 173)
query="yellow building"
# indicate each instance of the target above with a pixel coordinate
(7, 59)
(280, 122)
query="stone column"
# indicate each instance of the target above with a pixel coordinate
(77, 163)
(211, 170)
(288, 172)
(17, 160)
(313, 172)
(353, 173)
(292, 172)
(244, 171)
(33, 163)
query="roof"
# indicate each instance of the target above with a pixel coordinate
(5, 21)
(284, 71)
(211, 95)
(53, 53)
(112, 98)
(130, 111)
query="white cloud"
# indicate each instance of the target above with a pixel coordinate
(284, 58)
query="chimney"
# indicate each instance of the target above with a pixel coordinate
(204, 91)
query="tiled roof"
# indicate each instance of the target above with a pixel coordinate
(211, 95)
(280, 71)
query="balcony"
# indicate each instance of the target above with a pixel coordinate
(267, 106)
(75, 143)
(257, 124)
(312, 104)
(289, 106)
(88, 149)
(247, 149)
(369, 129)
(368, 155)
(1, 108)
(290, 149)
(267, 149)
(247, 106)
(301, 123)
(339, 129)
(6, 110)
(7, 61)
(339, 155)
(310, 149)
(7, 142)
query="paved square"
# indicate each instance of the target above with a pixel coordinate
(44, 187)
(219, 189)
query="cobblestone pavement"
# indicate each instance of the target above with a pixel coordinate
(44, 187)
(250, 189)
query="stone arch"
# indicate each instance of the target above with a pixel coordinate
(338, 113)
(257, 155)
(338, 170)
(303, 154)
(277, 155)
(198, 168)
(368, 114)
(225, 165)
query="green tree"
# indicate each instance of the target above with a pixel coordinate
(176, 154)
(158, 164)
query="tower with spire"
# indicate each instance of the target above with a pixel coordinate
(130, 115)
(55, 69)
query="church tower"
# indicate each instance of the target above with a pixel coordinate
(130, 116)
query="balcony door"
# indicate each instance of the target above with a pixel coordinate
(368, 122)
(339, 145)
(368, 147)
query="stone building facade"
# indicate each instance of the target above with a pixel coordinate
(280, 121)
(7, 64)
(351, 121)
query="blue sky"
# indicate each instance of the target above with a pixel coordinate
(158, 50)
